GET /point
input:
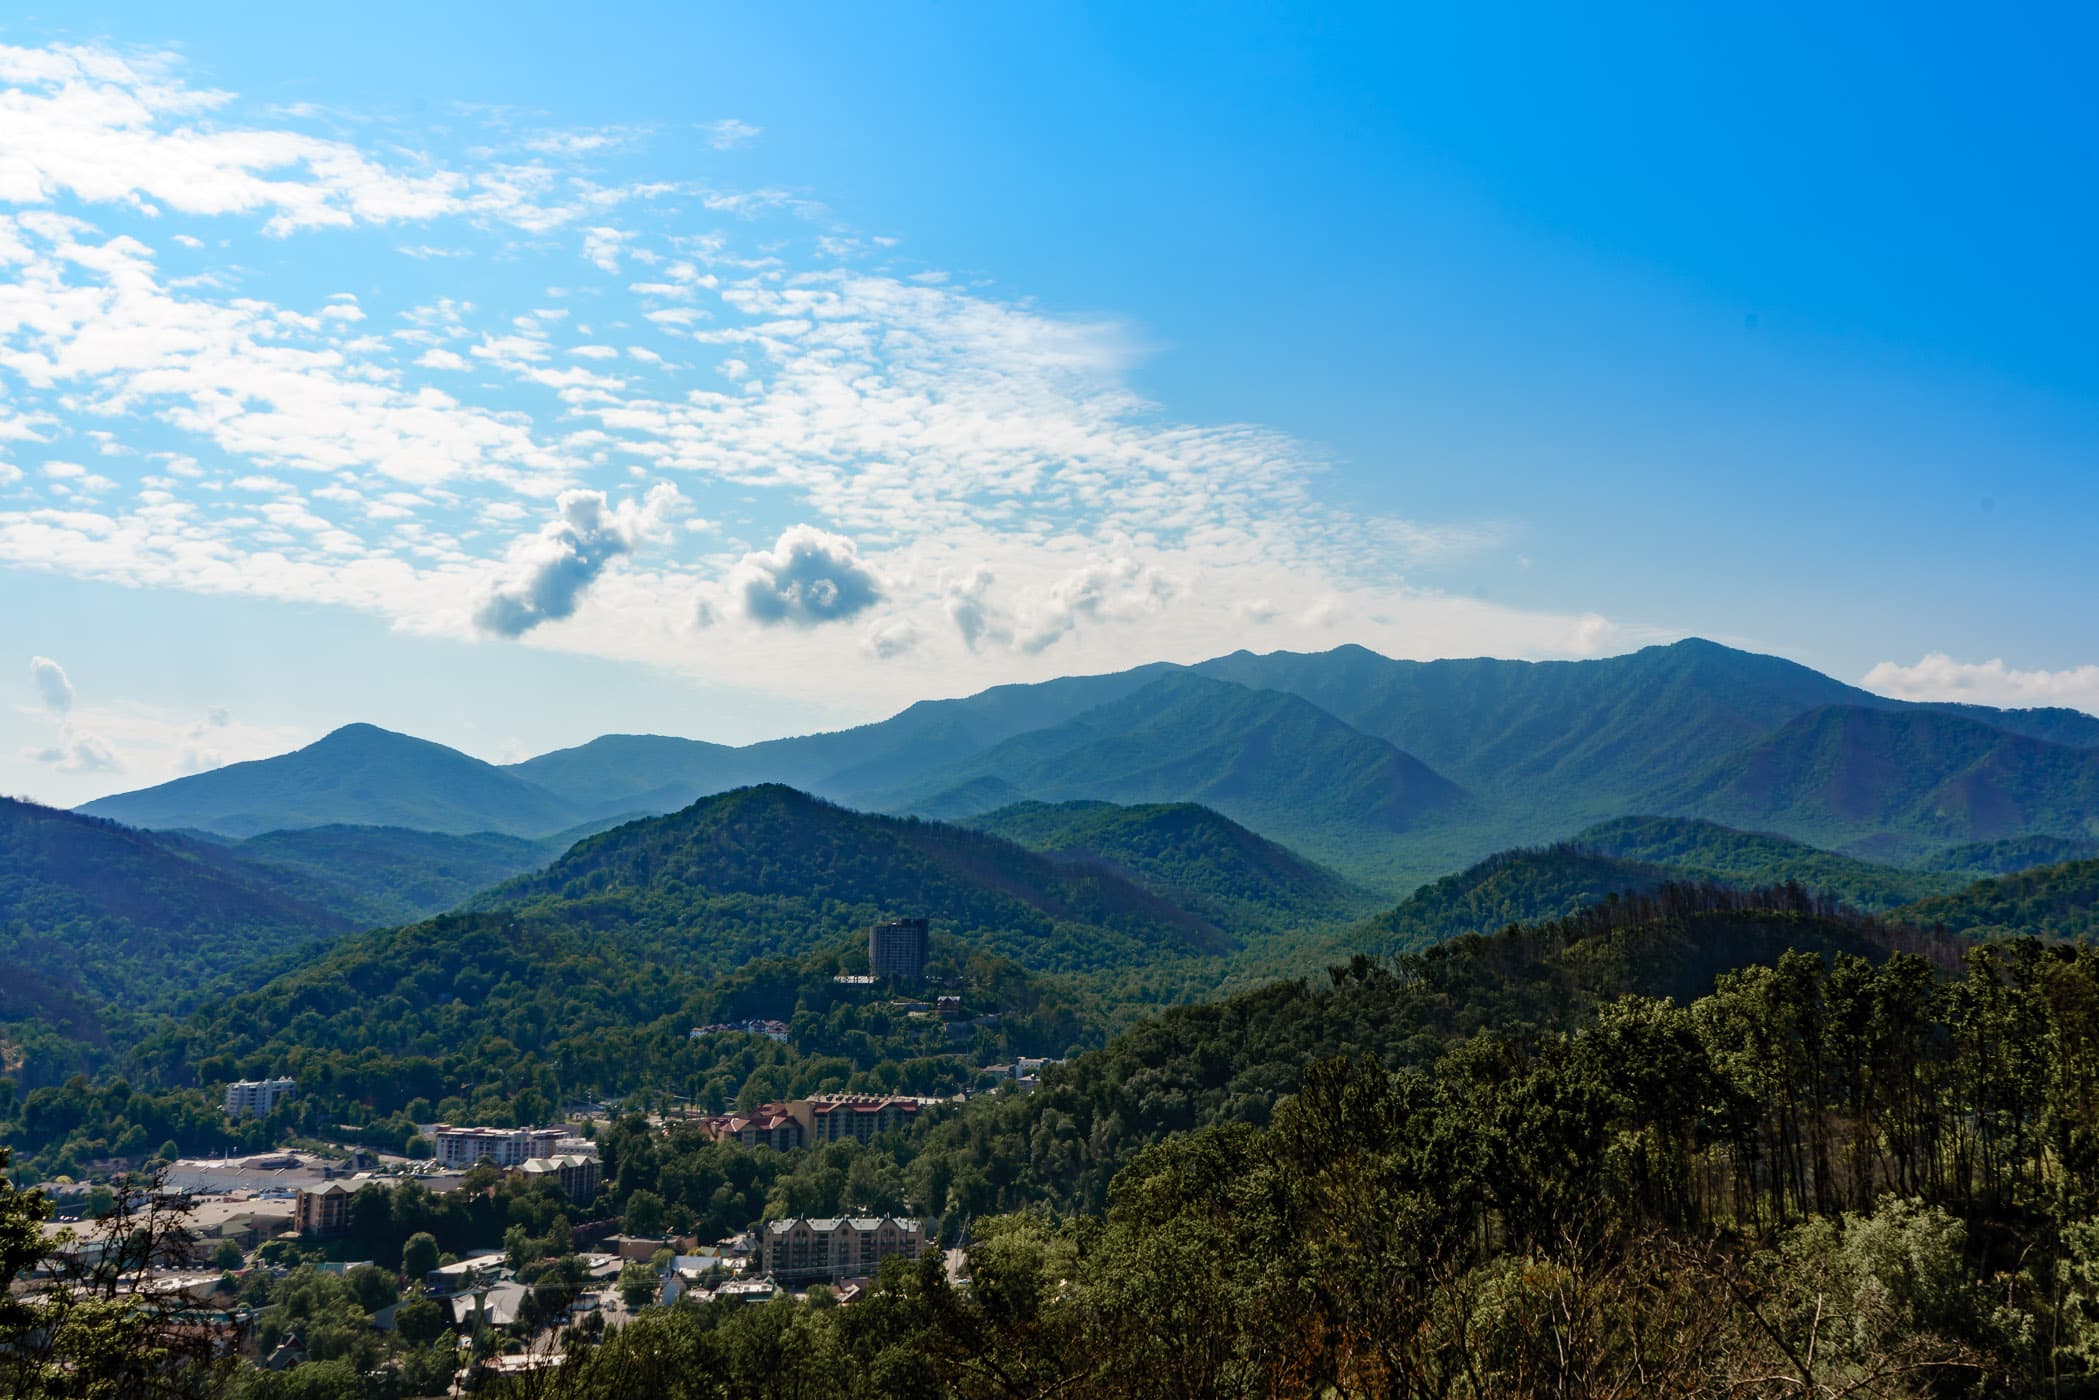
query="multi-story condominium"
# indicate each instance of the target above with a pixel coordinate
(323, 1210)
(819, 1118)
(506, 1147)
(861, 1117)
(818, 1251)
(575, 1174)
(257, 1096)
(896, 951)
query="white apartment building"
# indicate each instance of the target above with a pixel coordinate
(257, 1096)
(506, 1147)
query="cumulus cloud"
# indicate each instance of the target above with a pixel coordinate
(892, 636)
(547, 573)
(1939, 677)
(81, 753)
(809, 576)
(52, 687)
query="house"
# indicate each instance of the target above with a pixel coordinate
(828, 1250)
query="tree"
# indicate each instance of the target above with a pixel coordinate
(419, 1257)
(638, 1284)
(227, 1256)
(420, 1320)
(644, 1215)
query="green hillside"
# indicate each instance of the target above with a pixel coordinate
(2009, 856)
(372, 875)
(1190, 855)
(1590, 732)
(768, 870)
(358, 775)
(1514, 887)
(1701, 849)
(1228, 1061)
(1270, 761)
(110, 924)
(2054, 901)
(1846, 774)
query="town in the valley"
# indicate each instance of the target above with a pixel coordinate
(223, 1221)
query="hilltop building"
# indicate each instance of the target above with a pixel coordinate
(825, 1251)
(896, 951)
(506, 1147)
(257, 1096)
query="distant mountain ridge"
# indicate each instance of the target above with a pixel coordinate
(1390, 771)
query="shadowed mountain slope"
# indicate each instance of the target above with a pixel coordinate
(359, 775)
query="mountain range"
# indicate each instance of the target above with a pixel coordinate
(1390, 771)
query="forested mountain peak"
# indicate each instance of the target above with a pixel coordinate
(360, 775)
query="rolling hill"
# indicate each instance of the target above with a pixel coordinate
(358, 775)
(1705, 850)
(1274, 762)
(768, 871)
(1389, 770)
(1845, 774)
(1513, 887)
(372, 875)
(2055, 901)
(102, 924)
(1199, 859)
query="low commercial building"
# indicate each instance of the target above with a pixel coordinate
(257, 1096)
(505, 1147)
(323, 1210)
(827, 1250)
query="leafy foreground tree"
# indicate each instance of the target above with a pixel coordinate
(91, 1325)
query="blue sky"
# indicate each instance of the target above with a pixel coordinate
(510, 376)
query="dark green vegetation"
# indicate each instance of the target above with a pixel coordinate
(1390, 771)
(373, 875)
(770, 870)
(1847, 774)
(2054, 901)
(1705, 850)
(101, 925)
(1186, 853)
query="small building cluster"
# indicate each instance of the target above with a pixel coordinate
(257, 1096)
(829, 1250)
(771, 1030)
(819, 1118)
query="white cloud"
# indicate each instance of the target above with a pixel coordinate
(1940, 677)
(110, 128)
(809, 576)
(729, 133)
(981, 464)
(52, 686)
(892, 636)
(82, 753)
(548, 572)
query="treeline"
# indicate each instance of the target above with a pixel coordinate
(1826, 1177)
